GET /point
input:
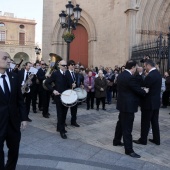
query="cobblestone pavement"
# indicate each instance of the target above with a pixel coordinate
(89, 147)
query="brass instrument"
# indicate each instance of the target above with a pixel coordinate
(26, 87)
(54, 59)
(17, 66)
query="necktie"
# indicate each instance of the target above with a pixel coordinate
(73, 76)
(6, 88)
(27, 76)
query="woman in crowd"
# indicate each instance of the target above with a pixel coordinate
(100, 89)
(110, 80)
(89, 87)
(166, 93)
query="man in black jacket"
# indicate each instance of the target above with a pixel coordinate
(12, 112)
(73, 82)
(23, 77)
(150, 105)
(127, 104)
(60, 81)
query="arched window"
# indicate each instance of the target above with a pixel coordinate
(2, 37)
(2, 24)
(22, 26)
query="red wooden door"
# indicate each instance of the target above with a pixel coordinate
(79, 46)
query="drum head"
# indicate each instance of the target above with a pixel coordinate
(69, 98)
(81, 93)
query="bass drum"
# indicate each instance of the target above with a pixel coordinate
(81, 93)
(69, 98)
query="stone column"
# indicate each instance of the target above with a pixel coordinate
(131, 25)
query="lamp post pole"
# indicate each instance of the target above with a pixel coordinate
(68, 23)
(37, 51)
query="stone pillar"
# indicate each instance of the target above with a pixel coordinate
(131, 25)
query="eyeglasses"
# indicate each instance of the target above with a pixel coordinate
(73, 64)
(42, 64)
(64, 65)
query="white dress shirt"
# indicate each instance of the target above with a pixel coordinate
(7, 80)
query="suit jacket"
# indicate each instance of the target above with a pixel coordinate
(59, 80)
(128, 93)
(152, 81)
(12, 111)
(41, 75)
(70, 79)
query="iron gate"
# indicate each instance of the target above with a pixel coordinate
(158, 50)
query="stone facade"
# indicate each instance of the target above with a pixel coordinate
(12, 28)
(113, 27)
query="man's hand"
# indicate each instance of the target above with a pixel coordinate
(82, 86)
(89, 87)
(23, 125)
(55, 92)
(146, 90)
(73, 85)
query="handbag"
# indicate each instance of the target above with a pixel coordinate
(110, 83)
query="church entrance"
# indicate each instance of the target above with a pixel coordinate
(79, 46)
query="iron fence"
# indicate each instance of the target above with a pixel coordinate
(158, 50)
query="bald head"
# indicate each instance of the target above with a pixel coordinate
(4, 61)
(63, 65)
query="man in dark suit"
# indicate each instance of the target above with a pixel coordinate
(59, 79)
(127, 104)
(44, 95)
(23, 77)
(12, 112)
(150, 105)
(73, 82)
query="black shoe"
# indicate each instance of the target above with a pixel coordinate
(65, 125)
(87, 109)
(29, 120)
(97, 109)
(46, 116)
(133, 155)
(63, 135)
(59, 130)
(92, 108)
(34, 111)
(139, 142)
(163, 106)
(118, 144)
(53, 102)
(157, 143)
(103, 109)
(75, 124)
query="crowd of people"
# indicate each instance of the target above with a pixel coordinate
(132, 86)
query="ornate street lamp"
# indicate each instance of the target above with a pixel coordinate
(37, 51)
(69, 21)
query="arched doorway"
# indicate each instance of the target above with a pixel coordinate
(79, 46)
(21, 55)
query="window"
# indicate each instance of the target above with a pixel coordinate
(21, 38)
(2, 37)
(2, 24)
(22, 26)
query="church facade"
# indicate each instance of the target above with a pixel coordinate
(107, 30)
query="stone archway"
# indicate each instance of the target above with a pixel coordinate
(60, 47)
(153, 17)
(19, 56)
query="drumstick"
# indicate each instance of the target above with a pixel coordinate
(65, 94)
(72, 88)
